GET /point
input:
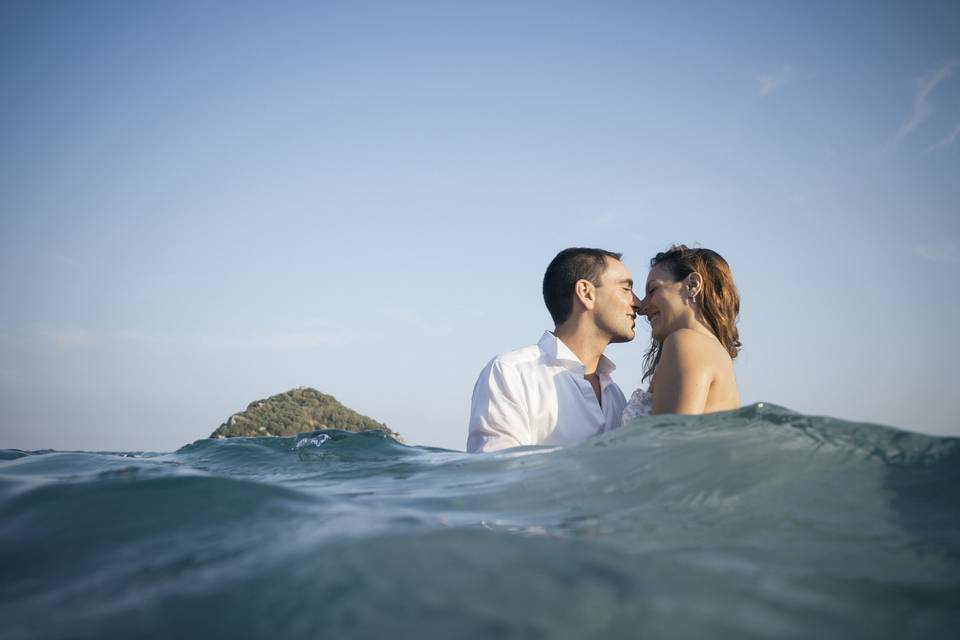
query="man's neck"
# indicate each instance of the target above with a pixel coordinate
(587, 346)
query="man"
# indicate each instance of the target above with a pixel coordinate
(559, 391)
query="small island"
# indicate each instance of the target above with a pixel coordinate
(296, 411)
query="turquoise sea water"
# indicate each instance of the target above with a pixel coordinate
(757, 523)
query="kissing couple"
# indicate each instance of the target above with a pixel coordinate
(560, 391)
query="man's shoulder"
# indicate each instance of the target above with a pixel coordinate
(518, 357)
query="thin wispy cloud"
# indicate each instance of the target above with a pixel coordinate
(68, 338)
(945, 253)
(947, 140)
(606, 218)
(427, 329)
(67, 260)
(255, 341)
(922, 105)
(270, 341)
(769, 83)
(232, 341)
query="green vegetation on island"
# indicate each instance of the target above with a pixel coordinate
(296, 411)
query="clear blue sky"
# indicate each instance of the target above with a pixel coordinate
(203, 204)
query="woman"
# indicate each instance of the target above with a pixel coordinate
(692, 305)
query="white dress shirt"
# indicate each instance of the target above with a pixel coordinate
(538, 395)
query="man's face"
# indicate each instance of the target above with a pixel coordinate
(615, 311)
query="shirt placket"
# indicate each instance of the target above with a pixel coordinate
(590, 397)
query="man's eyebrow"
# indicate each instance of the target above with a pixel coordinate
(627, 281)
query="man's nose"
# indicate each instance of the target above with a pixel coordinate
(640, 306)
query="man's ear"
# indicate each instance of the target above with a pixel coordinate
(693, 283)
(586, 293)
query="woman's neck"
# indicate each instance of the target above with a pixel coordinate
(695, 322)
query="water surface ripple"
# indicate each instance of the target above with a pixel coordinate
(756, 523)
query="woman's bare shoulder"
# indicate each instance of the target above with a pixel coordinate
(688, 339)
(686, 343)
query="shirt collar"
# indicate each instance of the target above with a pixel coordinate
(558, 351)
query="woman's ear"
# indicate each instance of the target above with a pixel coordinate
(586, 293)
(693, 283)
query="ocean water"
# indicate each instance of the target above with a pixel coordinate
(759, 523)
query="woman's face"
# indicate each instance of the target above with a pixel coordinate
(664, 305)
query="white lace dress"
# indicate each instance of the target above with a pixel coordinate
(641, 404)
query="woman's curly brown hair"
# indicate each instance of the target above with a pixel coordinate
(719, 301)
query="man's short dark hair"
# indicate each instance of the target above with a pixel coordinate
(563, 272)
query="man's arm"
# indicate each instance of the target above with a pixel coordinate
(498, 419)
